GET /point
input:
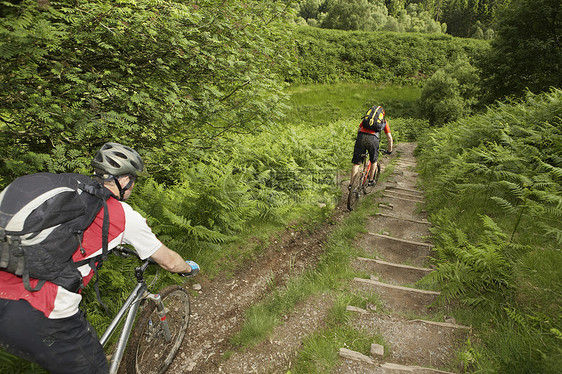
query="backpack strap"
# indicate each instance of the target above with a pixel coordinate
(101, 192)
(92, 263)
(96, 283)
(98, 190)
(25, 277)
(105, 232)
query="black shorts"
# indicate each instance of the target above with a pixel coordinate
(65, 345)
(365, 143)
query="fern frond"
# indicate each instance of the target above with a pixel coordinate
(505, 205)
(553, 232)
(515, 316)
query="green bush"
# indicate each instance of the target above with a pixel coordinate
(72, 76)
(494, 192)
(450, 93)
(334, 55)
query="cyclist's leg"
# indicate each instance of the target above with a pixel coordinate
(66, 345)
(354, 170)
(358, 150)
(372, 171)
(372, 144)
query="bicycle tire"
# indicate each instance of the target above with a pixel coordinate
(368, 189)
(354, 194)
(147, 344)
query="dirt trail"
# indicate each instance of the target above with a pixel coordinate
(396, 248)
(395, 252)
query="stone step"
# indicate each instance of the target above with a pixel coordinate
(403, 193)
(412, 242)
(406, 173)
(399, 227)
(414, 342)
(391, 272)
(395, 250)
(399, 298)
(405, 189)
(403, 218)
(410, 209)
(402, 182)
(390, 368)
(388, 194)
(355, 356)
(358, 363)
(449, 325)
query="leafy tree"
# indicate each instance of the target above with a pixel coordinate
(527, 52)
(351, 15)
(450, 93)
(420, 20)
(462, 15)
(166, 75)
(309, 8)
(394, 7)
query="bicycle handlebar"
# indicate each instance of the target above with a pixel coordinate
(123, 251)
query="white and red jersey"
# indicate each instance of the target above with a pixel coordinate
(126, 226)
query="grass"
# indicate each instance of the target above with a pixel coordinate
(332, 270)
(319, 353)
(312, 105)
(516, 333)
(317, 104)
(330, 276)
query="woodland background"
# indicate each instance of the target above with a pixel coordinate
(216, 96)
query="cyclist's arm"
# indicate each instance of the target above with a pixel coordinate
(170, 260)
(389, 142)
(388, 137)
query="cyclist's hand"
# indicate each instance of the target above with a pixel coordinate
(194, 269)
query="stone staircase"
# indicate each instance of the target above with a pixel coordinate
(396, 253)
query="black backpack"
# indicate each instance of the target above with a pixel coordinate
(374, 119)
(42, 220)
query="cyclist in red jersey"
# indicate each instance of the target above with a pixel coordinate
(368, 140)
(46, 326)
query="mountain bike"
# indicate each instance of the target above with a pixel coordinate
(157, 333)
(360, 184)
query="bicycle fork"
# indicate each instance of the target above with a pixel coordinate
(161, 311)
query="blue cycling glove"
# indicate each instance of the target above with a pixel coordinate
(194, 269)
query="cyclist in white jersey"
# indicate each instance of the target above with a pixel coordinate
(47, 326)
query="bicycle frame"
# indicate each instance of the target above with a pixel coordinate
(366, 169)
(130, 308)
(362, 186)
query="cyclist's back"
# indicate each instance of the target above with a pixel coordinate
(368, 141)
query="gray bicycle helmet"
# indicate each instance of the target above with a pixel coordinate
(117, 159)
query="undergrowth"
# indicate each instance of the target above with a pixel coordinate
(230, 201)
(320, 350)
(493, 183)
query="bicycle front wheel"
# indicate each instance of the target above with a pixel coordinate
(148, 351)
